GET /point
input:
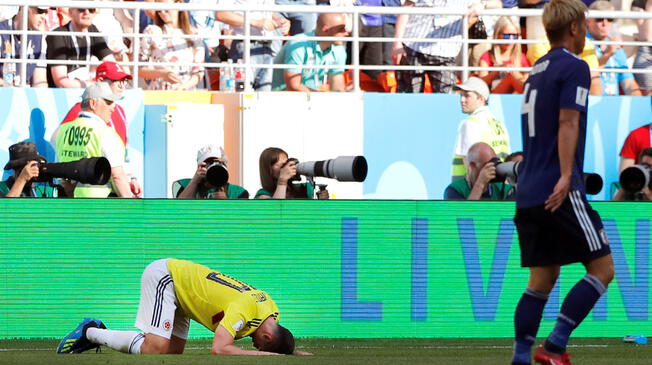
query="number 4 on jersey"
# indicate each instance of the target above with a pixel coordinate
(529, 99)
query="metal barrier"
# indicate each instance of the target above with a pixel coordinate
(247, 38)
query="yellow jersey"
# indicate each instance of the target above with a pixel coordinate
(538, 50)
(214, 299)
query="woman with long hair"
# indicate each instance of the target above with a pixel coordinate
(277, 173)
(160, 47)
(505, 55)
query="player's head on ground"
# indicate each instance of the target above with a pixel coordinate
(272, 337)
(565, 24)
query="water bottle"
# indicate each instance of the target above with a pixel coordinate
(239, 78)
(224, 75)
(229, 81)
(8, 68)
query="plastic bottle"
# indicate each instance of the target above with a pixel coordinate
(8, 68)
(224, 74)
(239, 78)
(229, 81)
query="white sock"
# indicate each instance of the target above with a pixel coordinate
(128, 342)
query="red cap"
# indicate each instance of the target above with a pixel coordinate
(112, 71)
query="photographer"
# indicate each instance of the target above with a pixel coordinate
(199, 187)
(477, 185)
(24, 160)
(645, 194)
(277, 172)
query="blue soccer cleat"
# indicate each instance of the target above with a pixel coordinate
(76, 342)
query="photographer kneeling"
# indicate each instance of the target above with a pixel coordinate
(24, 160)
(277, 172)
(477, 185)
(213, 185)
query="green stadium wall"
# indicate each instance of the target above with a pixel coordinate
(336, 268)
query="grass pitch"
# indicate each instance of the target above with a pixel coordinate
(593, 351)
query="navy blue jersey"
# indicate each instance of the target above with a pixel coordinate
(559, 80)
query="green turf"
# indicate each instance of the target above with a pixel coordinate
(594, 351)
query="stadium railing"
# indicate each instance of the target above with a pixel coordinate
(465, 69)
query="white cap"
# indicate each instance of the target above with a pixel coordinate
(211, 151)
(100, 90)
(475, 84)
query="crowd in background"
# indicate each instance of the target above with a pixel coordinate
(166, 42)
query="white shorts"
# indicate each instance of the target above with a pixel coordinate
(159, 312)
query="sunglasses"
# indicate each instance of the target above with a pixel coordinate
(123, 82)
(41, 11)
(600, 20)
(90, 10)
(108, 102)
(509, 36)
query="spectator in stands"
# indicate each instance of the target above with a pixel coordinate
(480, 126)
(75, 48)
(262, 23)
(277, 176)
(610, 56)
(299, 22)
(206, 24)
(24, 160)
(113, 74)
(199, 187)
(115, 22)
(505, 55)
(643, 58)
(643, 158)
(389, 28)
(90, 136)
(10, 47)
(477, 183)
(178, 49)
(533, 24)
(310, 52)
(636, 142)
(429, 53)
(371, 25)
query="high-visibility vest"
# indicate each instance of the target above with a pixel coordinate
(79, 139)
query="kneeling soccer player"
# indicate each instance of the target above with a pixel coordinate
(175, 291)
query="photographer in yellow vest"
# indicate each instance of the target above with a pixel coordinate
(90, 135)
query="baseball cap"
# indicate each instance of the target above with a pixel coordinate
(112, 71)
(475, 84)
(210, 151)
(22, 152)
(100, 90)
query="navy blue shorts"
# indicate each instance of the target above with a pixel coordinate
(573, 233)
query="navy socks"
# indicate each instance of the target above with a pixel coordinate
(526, 324)
(578, 303)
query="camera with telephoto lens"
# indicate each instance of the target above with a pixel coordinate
(217, 174)
(592, 182)
(343, 168)
(92, 171)
(634, 178)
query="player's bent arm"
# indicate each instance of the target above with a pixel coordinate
(569, 129)
(120, 182)
(625, 163)
(223, 345)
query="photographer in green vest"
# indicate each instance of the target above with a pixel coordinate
(90, 135)
(478, 183)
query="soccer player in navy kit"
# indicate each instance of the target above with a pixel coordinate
(556, 225)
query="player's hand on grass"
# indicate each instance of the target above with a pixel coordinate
(559, 194)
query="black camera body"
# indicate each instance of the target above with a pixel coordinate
(217, 174)
(634, 178)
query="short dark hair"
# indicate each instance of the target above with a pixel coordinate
(645, 152)
(282, 342)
